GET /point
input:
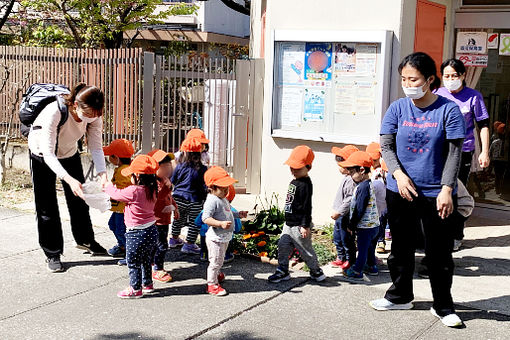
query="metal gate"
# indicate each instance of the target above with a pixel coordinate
(216, 95)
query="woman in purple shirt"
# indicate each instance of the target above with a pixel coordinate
(472, 107)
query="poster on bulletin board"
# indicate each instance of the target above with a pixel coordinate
(318, 64)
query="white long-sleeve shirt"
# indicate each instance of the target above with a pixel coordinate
(42, 139)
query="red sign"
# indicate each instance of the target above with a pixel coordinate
(476, 60)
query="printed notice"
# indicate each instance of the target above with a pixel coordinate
(291, 106)
(292, 63)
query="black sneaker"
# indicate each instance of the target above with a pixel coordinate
(318, 276)
(94, 248)
(278, 276)
(54, 264)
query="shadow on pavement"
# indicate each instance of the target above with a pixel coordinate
(128, 335)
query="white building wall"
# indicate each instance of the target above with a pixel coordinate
(217, 18)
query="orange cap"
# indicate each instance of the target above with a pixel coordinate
(197, 133)
(300, 157)
(496, 124)
(374, 150)
(501, 128)
(358, 158)
(121, 148)
(344, 152)
(231, 193)
(218, 176)
(383, 165)
(191, 145)
(142, 164)
(159, 155)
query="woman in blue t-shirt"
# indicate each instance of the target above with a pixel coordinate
(421, 141)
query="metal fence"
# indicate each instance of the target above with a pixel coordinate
(118, 72)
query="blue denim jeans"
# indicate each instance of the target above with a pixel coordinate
(140, 248)
(383, 223)
(367, 238)
(116, 224)
(344, 242)
(161, 247)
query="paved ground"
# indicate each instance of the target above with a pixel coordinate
(81, 303)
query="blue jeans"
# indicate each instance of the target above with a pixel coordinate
(383, 223)
(344, 242)
(161, 247)
(116, 224)
(140, 248)
(367, 238)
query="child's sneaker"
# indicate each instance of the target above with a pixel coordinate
(278, 276)
(221, 277)
(117, 251)
(148, 289)
(383, 304)
(381, 248)
(122, 262)
(93, 248)
(190, 248)
(371, 270)
(352, 275)
(216, 290)
(346, 265)
(175, 242)
(318, 276)
(161, 276)
(229, 257)
(130, 293)
(337, 263)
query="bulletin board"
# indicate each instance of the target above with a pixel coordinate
(330, 86)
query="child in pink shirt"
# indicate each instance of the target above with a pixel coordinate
(141, 232)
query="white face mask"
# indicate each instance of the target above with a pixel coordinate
(452, 85)
(84, 118)
(414, 92)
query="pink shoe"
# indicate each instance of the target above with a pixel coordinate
(130, 293)
(216, 290)
(148, 289)
(337, 263)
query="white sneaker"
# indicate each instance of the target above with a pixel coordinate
(457, 244)
(450, 320)
(383, 304)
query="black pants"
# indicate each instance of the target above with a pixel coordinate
(48, 218)
(404, 218)
(465, 166)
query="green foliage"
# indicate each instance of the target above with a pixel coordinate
(324, 253)
(49, 36)
(101, 23)
(270, 219)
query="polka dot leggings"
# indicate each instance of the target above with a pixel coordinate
(140, 248)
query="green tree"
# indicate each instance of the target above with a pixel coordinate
(101, 23)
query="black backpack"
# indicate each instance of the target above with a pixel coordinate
(36, 98)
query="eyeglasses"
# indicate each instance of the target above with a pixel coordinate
(451, 76)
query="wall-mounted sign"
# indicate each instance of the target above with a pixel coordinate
(476, 60)
(492, 41)
(504, 44)
(471, 43)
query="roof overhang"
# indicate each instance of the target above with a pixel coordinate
(185, 35)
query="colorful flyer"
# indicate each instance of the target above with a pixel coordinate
(318, 65)
(345, 58)
(292, 63)
(314, 105)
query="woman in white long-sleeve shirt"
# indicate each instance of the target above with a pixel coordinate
(54, 153)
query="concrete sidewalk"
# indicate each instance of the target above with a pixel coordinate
(82, 304)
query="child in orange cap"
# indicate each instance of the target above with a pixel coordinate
(363, 217)
(378, 177)
(343, 241)
(189, 194)
(141, 235)
(218, 216)
(163, 209)
(204, 154)
(119, 153)
(298, 218)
